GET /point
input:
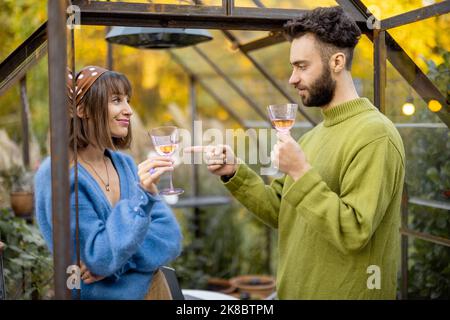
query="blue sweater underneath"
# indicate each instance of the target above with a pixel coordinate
(125, 243)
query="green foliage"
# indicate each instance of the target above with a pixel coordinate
(428, 177)
(232, 243)
(27, 262)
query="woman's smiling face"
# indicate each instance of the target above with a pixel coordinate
(120, 113)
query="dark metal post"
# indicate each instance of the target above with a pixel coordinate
(379, 65)
(57, 64)
(195, 180)
(109, 53)
(25, 115)
(404, 246)
(2, 279)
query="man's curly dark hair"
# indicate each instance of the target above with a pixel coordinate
(334, 29)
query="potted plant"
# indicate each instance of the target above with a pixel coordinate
(19, 182)
(254, 286)
(220, 285)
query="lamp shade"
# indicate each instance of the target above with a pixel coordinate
(157, 38)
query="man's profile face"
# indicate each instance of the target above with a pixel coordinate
(310, 75)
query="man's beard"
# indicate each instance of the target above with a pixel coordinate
(321, 91)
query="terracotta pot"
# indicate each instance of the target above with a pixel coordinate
(22, 203)
(220, 285)
(254, 286)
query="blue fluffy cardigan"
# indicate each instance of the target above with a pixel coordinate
(124, 243)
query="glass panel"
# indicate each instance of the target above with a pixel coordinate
(242, 71)
(428, 47)
(230, 61)
(18, 20)
(246, 3)
(399, 93)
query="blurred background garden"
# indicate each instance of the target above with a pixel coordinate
(223, 241)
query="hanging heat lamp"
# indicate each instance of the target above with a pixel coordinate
(157, 38)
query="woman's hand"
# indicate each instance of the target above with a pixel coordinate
(87, 276)
(150, 172)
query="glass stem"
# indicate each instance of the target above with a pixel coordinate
(170, 181)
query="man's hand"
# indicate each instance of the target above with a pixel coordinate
(289, 157)
(87, 276)
(220, 159)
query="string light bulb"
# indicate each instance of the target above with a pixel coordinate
(434, 105)
(408, 109)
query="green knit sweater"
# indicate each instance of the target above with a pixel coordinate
(342, 217)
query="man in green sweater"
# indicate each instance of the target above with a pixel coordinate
(337, 208)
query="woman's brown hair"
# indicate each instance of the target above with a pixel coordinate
(94, 106)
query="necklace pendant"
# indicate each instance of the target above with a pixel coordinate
(107, 187)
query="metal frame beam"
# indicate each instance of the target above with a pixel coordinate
(226, 16)
(57, 54)
(16, 65)
(272, 39)
(436, 9)
(25, 119)
(426, 237)
(430, 203)
(379, 63)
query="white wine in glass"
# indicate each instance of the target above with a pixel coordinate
(166, 150)
(282, 116)
(166, 139)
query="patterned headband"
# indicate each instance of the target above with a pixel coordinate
(84, 80)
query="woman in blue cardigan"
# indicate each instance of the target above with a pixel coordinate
(125, 230)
